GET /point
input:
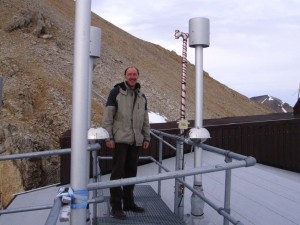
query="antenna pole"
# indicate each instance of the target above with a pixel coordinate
(198, 39)
(79, 137)
(184, 36)
(183, 125)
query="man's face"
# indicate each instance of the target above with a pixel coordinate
(131, 77)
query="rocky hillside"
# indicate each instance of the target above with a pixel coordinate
(274, 103)
(36, 44)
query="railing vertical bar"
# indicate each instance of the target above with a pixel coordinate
(95, 192)
(176, 192)
(178, 198)
(160, 161)
(227, 191)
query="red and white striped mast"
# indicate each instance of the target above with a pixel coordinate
(183, 125)
(184, 36)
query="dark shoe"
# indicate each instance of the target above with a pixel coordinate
(118, 214)
(134, 208)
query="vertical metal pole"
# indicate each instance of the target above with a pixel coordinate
(198, 107)
(183, 123)
(160, 161)
(180, 190)
(94, 153)
(197, 203)
(90, 79)
(94, 50)
(80, 108)
(179, 197)
(95, 192)
(176, 195)
(227, 191)
(184, 36)
(198, 38)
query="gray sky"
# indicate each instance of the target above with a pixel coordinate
(254, 45)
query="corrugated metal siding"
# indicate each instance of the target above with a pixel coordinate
(275, 143)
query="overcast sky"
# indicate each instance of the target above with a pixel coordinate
(254, 45)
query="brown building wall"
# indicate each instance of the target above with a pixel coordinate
(272, 139)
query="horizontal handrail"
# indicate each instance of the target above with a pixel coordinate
(110, 157)
(25, 209)
(54, 213)
(159, 138)
(165, 176)
(35, 189)
(91, 147)
(177, 175)
(221, 211)
(250, 161)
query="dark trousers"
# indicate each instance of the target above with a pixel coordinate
(125, 160)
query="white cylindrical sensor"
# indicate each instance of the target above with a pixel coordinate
(95, 41)
(199, 32)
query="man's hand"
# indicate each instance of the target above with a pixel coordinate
(110, 144)
(146, 144)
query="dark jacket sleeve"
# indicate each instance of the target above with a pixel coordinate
(110, 111)
(146, 124)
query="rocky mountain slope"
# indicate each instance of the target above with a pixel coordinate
(36, 44)
(274, 103)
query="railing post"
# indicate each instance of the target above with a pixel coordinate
(160, 161)
(95, 192)
(179, 188)
(227, 190)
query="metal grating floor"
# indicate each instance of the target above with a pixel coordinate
(156, 211)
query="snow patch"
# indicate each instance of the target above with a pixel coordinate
(156, 118)
(283, 109)
(263, 101)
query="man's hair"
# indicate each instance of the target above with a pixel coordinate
(137, 70)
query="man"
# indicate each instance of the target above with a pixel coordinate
(127, 122)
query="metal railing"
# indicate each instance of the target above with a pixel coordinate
(240, 161)
(56, 206)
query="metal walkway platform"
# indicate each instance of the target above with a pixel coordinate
(156, 211)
